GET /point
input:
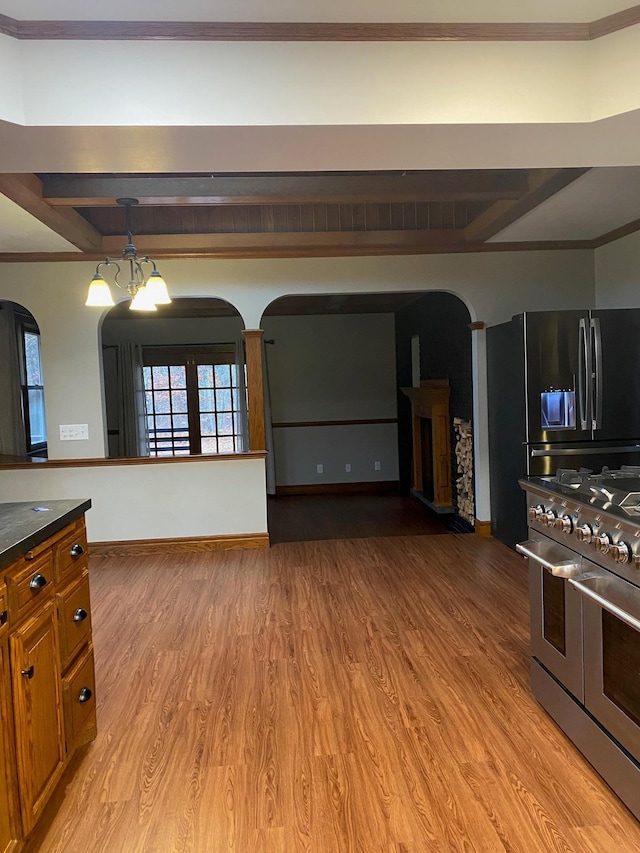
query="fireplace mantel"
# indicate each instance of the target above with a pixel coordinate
(431, 455)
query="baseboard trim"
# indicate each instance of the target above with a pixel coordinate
(482, 528)
(386, 487)
(139, 547)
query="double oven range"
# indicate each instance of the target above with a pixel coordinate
(584, 574)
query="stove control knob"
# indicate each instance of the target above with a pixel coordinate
(602, 543)
(535, 512)
(584, 533)
(563, 523)
(548, 518)
(621, 552)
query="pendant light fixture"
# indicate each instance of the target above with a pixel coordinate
(146, 289)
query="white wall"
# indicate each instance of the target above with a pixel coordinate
(212, 497)
(333, 367)
(617, 270)
(493, 286)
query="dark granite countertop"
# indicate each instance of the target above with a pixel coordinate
(25, 525)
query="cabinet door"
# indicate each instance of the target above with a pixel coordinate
(8, 807)
(38, 712)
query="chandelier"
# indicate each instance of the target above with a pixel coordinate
(146, 288)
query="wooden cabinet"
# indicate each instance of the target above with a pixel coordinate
(47, 695)
(37, 709)
(9, 819)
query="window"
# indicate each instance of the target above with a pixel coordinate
(192, 400)
(32, 388)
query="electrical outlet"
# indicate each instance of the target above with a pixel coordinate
(319, 469)
(74, 432)
(376, 465)
(347, 467)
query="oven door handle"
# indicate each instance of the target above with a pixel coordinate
(543, 553)
(618, 597)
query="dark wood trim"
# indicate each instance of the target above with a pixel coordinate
(26, 192)
(255, 390)
(379, 188)
(616, 234)
(482, 528)
(327, 251)
(614, 23)
(477, 325)
(129, 460)
(383, 487)
(330, 31)
(299, 31)
(140, 547)
(284, 425)
(543, 184)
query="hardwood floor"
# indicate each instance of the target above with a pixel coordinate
(354, 696)
(303, 518)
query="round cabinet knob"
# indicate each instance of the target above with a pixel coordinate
(602, 543)
(38, 581)
(621, 552)
(535, 512)
(85, 694)
(548, 518)
(584, 533)
(563, 523)
(76, 550)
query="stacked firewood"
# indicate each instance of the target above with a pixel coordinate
(464, 467)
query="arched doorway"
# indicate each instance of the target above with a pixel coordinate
(174, 380)
(339, 419)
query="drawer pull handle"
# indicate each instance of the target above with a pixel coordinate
(76, 550)
(85, 694)
(4, 616)
(28, 672)
(29, 555)
(38, 581)
(80, 615)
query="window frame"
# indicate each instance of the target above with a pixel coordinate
(25, 326)
(191, 357)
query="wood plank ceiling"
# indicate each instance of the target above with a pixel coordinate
(285, 214)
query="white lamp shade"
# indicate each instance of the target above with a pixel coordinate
(142, 301)
(157, 289)
(99, 295)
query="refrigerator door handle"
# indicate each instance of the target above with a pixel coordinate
(596, 356)
(584, 384)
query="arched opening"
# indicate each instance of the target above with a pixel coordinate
(341, 425)
(174, 380)
(23, 431)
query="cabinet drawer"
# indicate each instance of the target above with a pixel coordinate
(79, 697)
(74, 609)
(70, 552)
(29, 582)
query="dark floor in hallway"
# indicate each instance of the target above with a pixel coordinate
(304, 518)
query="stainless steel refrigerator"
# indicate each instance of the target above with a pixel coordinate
(564, 392)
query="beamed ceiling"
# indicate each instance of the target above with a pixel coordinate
(297, 214)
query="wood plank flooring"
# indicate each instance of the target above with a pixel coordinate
(354, 696)
(303, 518)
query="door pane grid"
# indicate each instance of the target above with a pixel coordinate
(168, 399)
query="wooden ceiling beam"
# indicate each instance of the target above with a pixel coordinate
(543, 183)
(158, 245)
(26, 191)
(469, 185)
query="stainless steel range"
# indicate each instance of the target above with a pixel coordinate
(584, 575)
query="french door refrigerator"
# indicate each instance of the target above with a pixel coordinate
(563, 392)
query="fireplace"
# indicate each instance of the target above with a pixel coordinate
(431, 463)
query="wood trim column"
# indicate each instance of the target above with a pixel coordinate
(255, 391)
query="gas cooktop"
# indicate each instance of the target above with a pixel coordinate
(617, 492)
